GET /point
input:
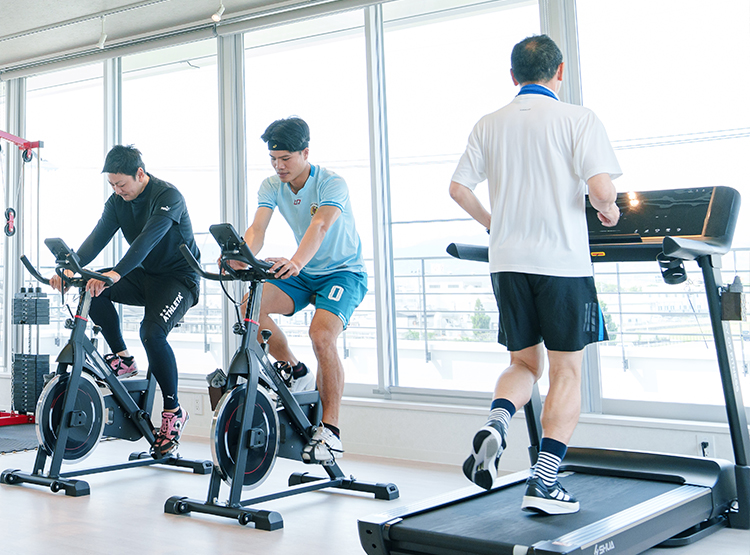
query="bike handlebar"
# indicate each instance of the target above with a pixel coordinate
(33, 271)
(249, 274)
(65, 259)
(233, 247)
(195, 265)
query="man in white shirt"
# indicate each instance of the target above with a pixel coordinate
(539, 157)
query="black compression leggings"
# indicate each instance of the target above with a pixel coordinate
(161, 360)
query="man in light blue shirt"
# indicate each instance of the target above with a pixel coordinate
(326, 270)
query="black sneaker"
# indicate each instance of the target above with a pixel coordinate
(488, 444)
(548, 500)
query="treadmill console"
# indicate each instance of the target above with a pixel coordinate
(703, 214)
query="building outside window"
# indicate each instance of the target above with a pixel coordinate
(671, 128)
(447, 64)
(170, 113)
(316, 70)
(64, 189)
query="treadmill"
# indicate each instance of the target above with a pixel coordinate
(630, 500)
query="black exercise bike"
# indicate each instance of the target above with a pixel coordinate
(258, 418)
(85, 401)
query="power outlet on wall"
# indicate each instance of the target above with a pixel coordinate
(705, 445)
(197, 404)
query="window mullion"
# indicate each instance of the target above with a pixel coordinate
(385, 311)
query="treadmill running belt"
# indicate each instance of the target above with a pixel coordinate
(493, 523)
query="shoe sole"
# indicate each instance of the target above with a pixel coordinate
(157, 453)
(329, 462)
(164, 454)
(487, 445)
(548, 506)
(127, 375)
(307, 459)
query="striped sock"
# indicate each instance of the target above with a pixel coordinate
(550, 456)
(502, 411)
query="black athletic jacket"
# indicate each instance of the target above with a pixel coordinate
(154, 224)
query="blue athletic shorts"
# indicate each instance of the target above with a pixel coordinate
(339, 292)
(563, 312)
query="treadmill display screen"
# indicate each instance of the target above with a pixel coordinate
(648, 214)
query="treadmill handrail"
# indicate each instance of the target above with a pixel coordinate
(468, 252)
(690, 249)
(675, 247)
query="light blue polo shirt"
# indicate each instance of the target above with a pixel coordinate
(341, 249)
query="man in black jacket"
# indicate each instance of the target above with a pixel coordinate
(154, 220)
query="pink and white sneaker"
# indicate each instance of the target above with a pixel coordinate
(168, 436)
(120, 367)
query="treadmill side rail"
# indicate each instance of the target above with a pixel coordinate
(635, 529)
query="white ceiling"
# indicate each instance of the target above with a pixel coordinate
(36, 16)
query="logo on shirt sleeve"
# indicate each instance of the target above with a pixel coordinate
(165, 208)
(313, 209)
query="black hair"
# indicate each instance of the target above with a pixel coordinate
(123, 159)
(291, 134)
(535, 59)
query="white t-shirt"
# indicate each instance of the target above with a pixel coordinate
(536, 154)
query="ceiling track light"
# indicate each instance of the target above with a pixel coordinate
(102, 37)
(217, 16)
(91, 17)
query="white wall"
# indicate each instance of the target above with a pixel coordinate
(442, 434)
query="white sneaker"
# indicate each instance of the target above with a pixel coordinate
(487, 446)
(303, 383)
(324, 447)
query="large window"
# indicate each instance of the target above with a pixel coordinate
(316, 70)
(170, 113)
(64, 190)
(669, 131)
(447, 65)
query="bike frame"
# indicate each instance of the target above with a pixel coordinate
(250, 362)
(78, 354)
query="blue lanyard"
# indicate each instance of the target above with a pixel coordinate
(537, 89)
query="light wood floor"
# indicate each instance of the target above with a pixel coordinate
(125, 512)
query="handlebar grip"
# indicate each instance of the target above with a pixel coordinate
(33, 271)
(468, 252)
(108, 281)
(254, 262)
(195, 265)
(88, 274)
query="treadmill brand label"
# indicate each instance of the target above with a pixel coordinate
(602, 548)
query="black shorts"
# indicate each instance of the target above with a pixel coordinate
(563, 312)
(166, 299)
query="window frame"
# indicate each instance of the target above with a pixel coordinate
(557, 18)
